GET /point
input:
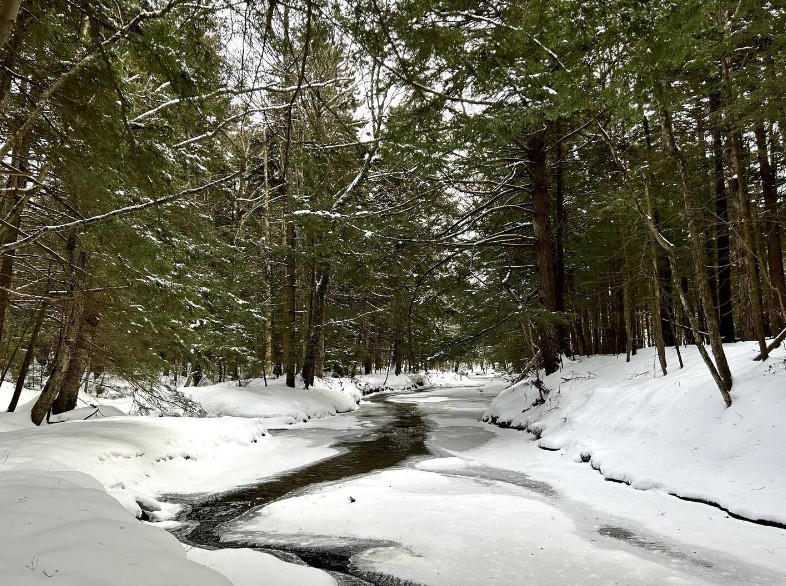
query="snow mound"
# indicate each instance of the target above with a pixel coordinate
(59, 526)
(277, 401)
(245, 566)
(670, 433)
(378, 382)
(155, 455)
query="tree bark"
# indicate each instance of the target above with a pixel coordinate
(74, 314)
(720, 370)
(28, 359)
(315, 331)
(68, 393)
(776, 280)
(12, 212)
(9, 10)
(544, 252)
(559, 241)
(749, 242)
(290, 298)
(722, 241)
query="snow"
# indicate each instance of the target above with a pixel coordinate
(99, 412)
(495, 509)
(58, 526)
(244, 567)
(68, 472)
(437, 529)
(277, 401)
(382, 381)
(670, 433)
(158, 455)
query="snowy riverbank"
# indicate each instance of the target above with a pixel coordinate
(57, 517)
(672, 433)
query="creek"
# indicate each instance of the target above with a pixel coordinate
(396, 432)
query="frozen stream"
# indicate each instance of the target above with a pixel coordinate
(409, 500)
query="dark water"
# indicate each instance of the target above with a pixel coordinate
(399, 433)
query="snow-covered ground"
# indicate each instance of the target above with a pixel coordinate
(497, 509)
(56, 518)
(248, 567)
(60, 527)
(493, 508)
(669, 433)
(277, 403)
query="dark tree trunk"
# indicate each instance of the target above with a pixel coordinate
(544, 252)
(720, 370)
(28, 359)
(748, 226)
(777, 282)
(76, 308)
(13, 205)
(559, 241)
(397, 354)
(722, 241)
(666, 305)
(290, 298)
(68, 393)
(315, 331)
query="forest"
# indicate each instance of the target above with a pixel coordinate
(223, 190)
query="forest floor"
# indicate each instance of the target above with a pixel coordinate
(484, 504)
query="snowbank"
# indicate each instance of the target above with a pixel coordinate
(276, 400)
(58, 526)
(157, 455)
(669, 433)
(245, 567)
(377, 382)
(76, 531)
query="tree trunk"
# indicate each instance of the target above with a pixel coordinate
(290, 298)
(68, 393)
(12, 211)
(722, 242)
(559, 240)
(720, 370)
(544, 252)
(748, 242)
(9, 10)
(76, 307)
(28, 359)
(627, 317)
(776, 280)
(657, 319)
(397, 354)
(315, 331)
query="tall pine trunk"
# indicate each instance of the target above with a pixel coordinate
(68, 393)
(314, 338)
(13, 205)
(722, 240)
(749, 243)
(290, 298)
(776, 281)
(544, 252)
